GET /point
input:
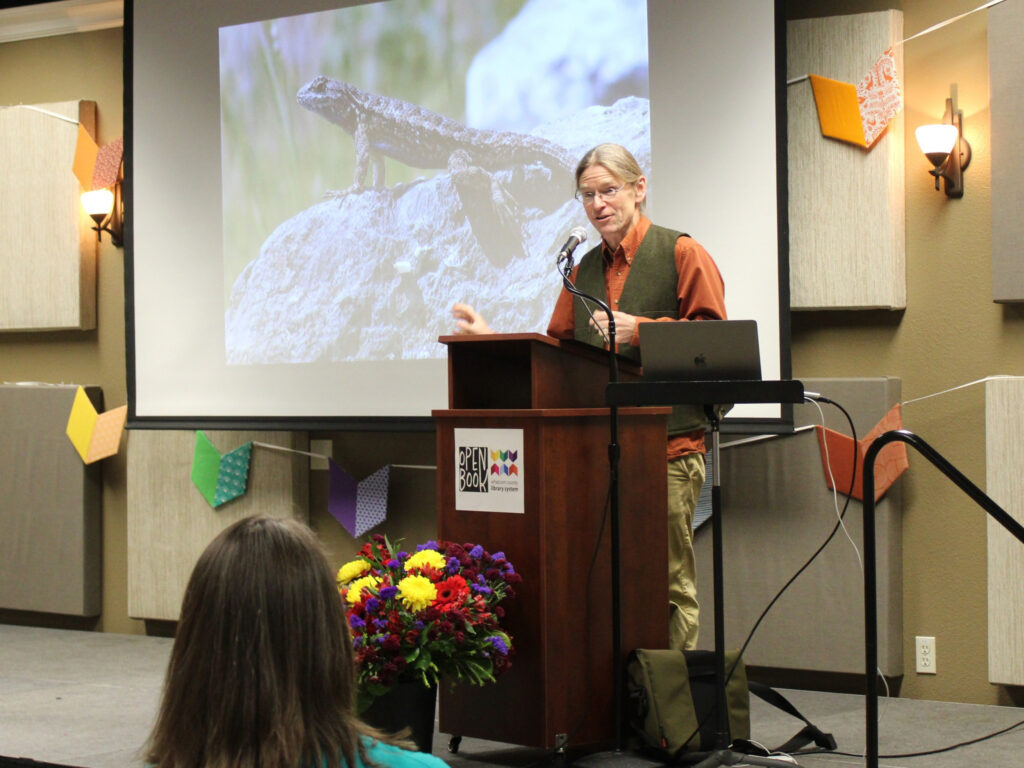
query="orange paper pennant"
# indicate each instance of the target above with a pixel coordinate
(890, 463)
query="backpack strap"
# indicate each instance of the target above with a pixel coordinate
(810, 732)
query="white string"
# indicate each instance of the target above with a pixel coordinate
(759, 438)
(923, 32)
(325, 457)
(959, 386)
(947, 22)
(282, 449)
(65, 118)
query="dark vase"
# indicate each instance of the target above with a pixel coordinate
(407, 705)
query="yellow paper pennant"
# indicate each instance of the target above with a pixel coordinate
(838, 110)
(81, 422)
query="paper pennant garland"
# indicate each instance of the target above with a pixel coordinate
(890, 464)
(358, 506)
(95, 436)
(859, 113)
(220, 478)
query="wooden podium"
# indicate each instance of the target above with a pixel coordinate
(548, 396)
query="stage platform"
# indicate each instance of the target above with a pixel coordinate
(87, 699)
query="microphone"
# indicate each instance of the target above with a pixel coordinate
(577, 236)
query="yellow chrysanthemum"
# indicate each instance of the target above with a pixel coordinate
(430, 557)
(417, 592)
(352, 570)
(355, 589)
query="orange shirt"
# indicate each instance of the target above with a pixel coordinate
(700, 289)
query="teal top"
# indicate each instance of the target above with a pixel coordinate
(389, 756)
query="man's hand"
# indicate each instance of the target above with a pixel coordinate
(625, 326)
(469, 321)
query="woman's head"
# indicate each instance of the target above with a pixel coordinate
(261, 671)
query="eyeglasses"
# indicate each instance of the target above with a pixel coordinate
(606, 194)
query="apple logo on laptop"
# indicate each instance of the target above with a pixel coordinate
(700, 360)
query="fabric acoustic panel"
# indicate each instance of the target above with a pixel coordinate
(1006, 73)
(50, 515)
(49, 260)
(170, 522)
(1004, 457)
(777, 510)
(846, 203)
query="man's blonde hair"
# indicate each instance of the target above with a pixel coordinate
(618, 160)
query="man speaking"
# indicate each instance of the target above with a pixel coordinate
(645, 273)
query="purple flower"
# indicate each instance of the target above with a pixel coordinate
(357, 642)
(392, 563)
(373, 605)
(402, 555)
(508, 568)
(418, 625)
(499, 644)
(387, 593)
(476, 552)
(498, 556)
(483, 590)
(379, 639)
(453, 565)
(355, 622)
(427, 545)
(380, 623)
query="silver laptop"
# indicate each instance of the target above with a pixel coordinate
(702, 350)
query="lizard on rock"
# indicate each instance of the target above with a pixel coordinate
(418, 137)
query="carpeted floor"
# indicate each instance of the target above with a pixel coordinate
(87, 700)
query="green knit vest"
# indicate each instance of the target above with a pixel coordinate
(650, 291)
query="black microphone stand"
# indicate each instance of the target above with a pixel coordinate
(618, 687)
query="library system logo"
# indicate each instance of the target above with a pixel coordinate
(489, 470)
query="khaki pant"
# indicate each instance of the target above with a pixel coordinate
(685, 478)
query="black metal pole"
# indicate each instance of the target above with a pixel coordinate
(618, 665)
(1000, 515)
(722, 738)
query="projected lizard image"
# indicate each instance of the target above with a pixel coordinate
(382, 162)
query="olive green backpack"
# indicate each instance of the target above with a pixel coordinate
(672, 701)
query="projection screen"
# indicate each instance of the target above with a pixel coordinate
(281, 272)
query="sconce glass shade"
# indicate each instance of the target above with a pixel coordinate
(937, 141)
(98, 203)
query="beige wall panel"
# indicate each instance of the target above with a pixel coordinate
(846, 204)
(50, 517)
(49, 260)
(1006, 68)
(1004, 458)
(169, 521)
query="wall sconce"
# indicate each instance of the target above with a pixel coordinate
(947, 149)
(106, 207)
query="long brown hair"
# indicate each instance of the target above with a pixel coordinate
(261, 673)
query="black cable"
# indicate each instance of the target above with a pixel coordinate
(950, 748)
(804, 567)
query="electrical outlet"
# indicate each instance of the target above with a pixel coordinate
(925, 655)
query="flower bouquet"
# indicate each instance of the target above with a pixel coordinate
(422, 615)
